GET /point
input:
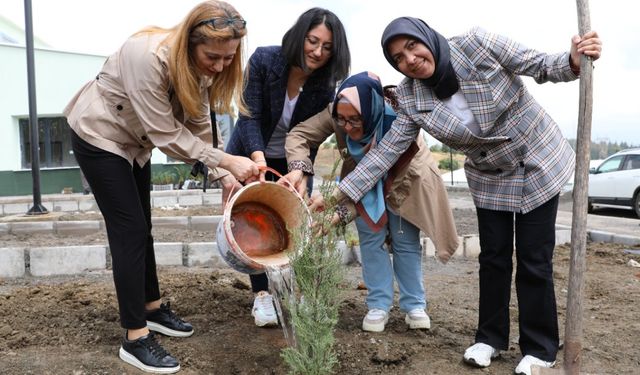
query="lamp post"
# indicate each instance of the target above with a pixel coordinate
(451, 164)
(37, 208)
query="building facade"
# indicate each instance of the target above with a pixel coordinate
(58, 76)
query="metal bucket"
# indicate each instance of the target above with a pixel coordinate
(255, 230)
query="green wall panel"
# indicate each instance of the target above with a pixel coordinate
(53, 181)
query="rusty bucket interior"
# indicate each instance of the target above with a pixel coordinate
(261, 218)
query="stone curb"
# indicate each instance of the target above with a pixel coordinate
(70, 260)
(198, 223)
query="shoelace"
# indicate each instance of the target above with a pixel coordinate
(376, 314)
(154, 347)
(172, 315)
(265, 303)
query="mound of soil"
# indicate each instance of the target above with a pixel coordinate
(70, 325)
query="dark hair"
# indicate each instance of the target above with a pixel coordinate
(337, 68)
(390, 96)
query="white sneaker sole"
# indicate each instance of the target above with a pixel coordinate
(523, 372)
(133, 361)
(167, 331)
(472, 361)
(264, 323)
(374, 327)
(420, 324)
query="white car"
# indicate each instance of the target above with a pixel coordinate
(616, 182)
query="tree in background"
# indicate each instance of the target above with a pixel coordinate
(601, 149)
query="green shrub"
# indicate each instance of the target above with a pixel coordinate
(448, 164)
(162, 178)
(313, 308)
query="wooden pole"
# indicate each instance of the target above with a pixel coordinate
(573, 325)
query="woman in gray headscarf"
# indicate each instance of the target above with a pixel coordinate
(468, 94)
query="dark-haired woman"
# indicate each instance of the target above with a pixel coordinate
(286, 85)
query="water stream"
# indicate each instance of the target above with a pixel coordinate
(282, 290)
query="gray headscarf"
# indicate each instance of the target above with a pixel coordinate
(443, 81)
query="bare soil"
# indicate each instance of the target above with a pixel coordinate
(70, 325)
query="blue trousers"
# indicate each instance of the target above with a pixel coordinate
(378, 268)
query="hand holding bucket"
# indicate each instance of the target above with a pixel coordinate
(254, 230)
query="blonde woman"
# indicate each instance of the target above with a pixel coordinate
(156, 91)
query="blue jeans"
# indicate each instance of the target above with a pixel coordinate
(378, 269)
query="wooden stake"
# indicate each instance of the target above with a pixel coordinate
(573, 325)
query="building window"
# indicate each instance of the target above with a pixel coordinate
(55, 143)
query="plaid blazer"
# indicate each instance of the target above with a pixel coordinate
(519, 160)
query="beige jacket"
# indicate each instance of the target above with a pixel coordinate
(417, 194)
(130, 108)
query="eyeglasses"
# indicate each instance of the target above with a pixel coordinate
(219, 23)
(356, 122)
(315, 43)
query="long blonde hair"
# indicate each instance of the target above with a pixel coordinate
(227, 85)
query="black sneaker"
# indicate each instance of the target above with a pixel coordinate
(148, 355)
(165, 321)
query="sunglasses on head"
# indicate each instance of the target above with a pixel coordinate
(219, 23)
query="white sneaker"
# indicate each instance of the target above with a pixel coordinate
(263, 310)
(524, 367)
(480, 355)
(417, 319)
(375, 320)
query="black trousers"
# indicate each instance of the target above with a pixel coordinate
(122, 193)
(534, 241)
(260, 282)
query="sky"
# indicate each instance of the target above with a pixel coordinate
(100, 27)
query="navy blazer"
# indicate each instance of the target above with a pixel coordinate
(264, 95)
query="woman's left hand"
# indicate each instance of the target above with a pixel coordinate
(589, 45)
(322, 228)
(296, 180)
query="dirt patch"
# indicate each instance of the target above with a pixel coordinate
(69, 325)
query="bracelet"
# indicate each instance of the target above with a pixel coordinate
(260, 160)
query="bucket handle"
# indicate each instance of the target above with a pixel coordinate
(269, 169)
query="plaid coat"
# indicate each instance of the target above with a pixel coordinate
(520, 159)
(416, 194)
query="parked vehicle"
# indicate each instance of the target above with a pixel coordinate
(616, 182)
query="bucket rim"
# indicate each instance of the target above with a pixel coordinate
(226, 221)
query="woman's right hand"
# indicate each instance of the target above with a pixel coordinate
(316, 202)
(241, 167)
